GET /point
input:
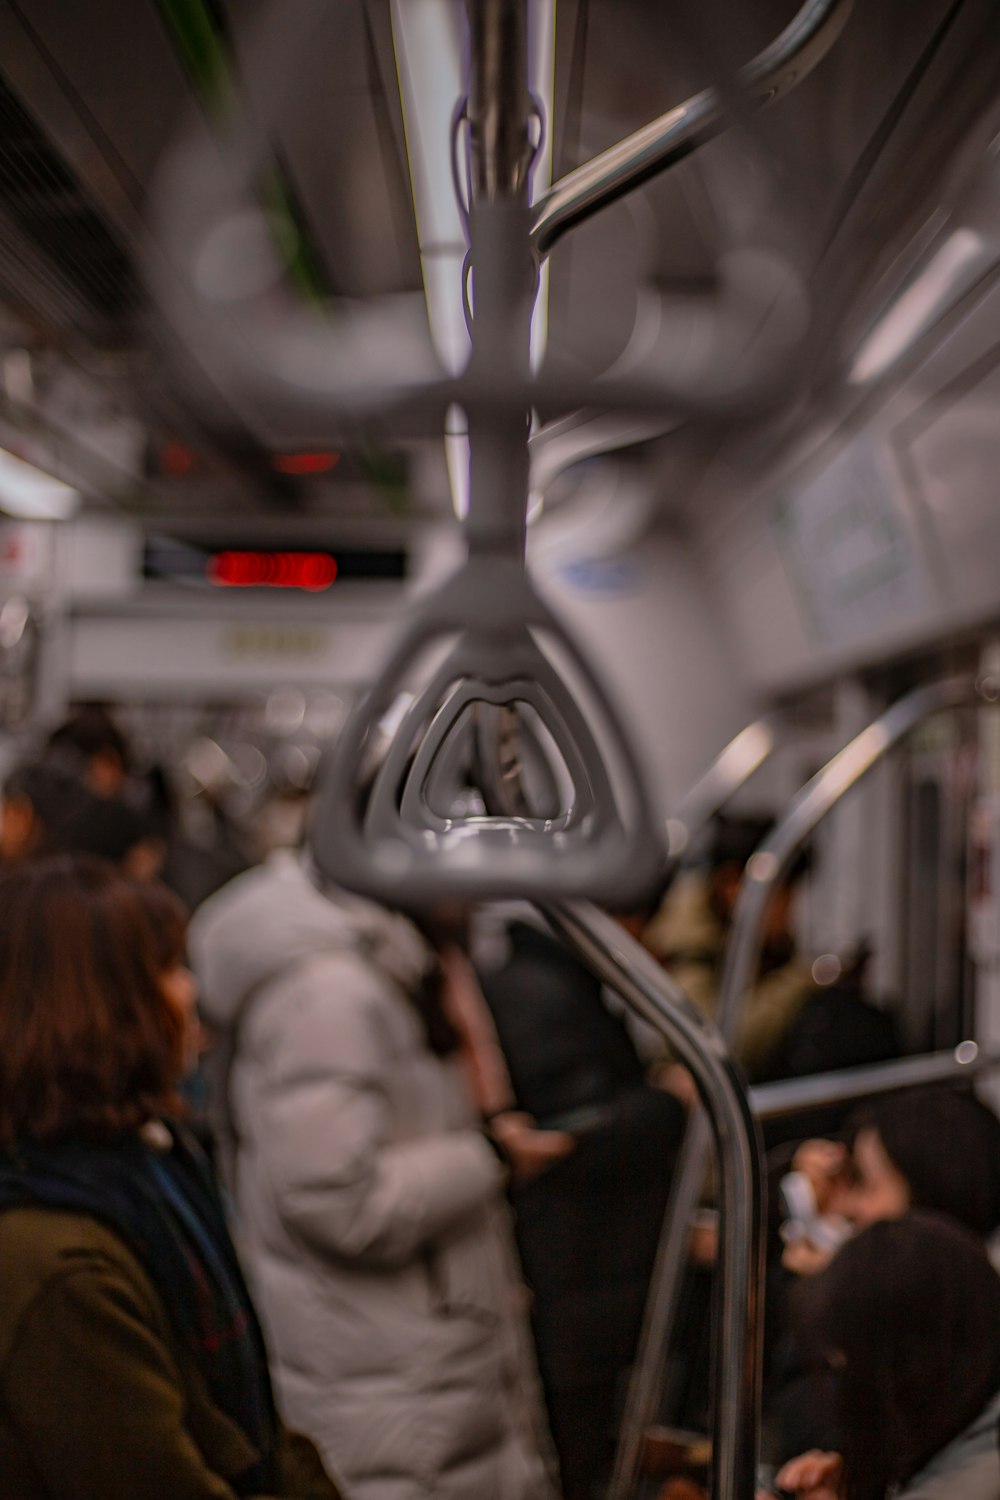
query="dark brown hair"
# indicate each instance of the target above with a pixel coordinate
(947, 1147)
(168, 921)
(89, 1044)
(911, 1309)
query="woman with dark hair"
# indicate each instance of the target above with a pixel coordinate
(929, 1148)
(909, 1313)
(934, 1149)
(131, 1362)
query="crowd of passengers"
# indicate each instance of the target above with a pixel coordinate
(404, 1248)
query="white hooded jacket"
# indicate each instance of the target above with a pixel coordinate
(370, 1211)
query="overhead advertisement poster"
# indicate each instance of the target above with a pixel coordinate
(848, 551)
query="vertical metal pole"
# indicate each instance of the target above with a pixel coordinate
(502, 271)
(498, 100)
(648, 990)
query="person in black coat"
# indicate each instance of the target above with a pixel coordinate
(588, 1227)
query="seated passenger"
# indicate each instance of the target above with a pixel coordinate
(688, 935)
(131, 1363)
(930, 1148)
(371, 1201)
(909, 1313)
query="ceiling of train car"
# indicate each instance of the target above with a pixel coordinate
(90, 94)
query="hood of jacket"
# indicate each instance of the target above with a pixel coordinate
(273, 917)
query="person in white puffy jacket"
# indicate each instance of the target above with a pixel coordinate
(370, 1210)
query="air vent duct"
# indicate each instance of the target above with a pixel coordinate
(41, 195)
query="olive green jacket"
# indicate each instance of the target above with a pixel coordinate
(98, 1398)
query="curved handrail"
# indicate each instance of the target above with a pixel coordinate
(808, 808)
(623, 964)
(766, 865)
(793, 54)
(735, 763)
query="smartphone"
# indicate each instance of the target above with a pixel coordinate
(579, 1121)
(767, 1486)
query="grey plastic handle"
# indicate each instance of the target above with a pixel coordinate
(387, 840)
(415, 773)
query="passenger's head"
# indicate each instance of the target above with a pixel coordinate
(910, 1312)
(108, 828)
(47, 809)
(39, 803)
(930, 1148)
(92, 1039)
(734, 840)
(90, 744)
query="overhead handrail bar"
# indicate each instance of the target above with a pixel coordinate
(765, 868)
(568, 440)
(769, 1101)
(279, 360)
(792, 55)
(657, 998)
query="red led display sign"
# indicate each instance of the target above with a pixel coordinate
(314, 571)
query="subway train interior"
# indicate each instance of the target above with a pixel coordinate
(532, 436)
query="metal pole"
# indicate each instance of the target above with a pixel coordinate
(498, 99)
(503, 272)
(815, 800)
(771, 1100)
(657, 146)
(731, 768)
(647, 989)
(808, 808)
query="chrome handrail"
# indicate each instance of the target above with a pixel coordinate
(765, 868)
(657, 146)
(808, 808)
(769, 1101)
(648, 990)
(735, 763)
